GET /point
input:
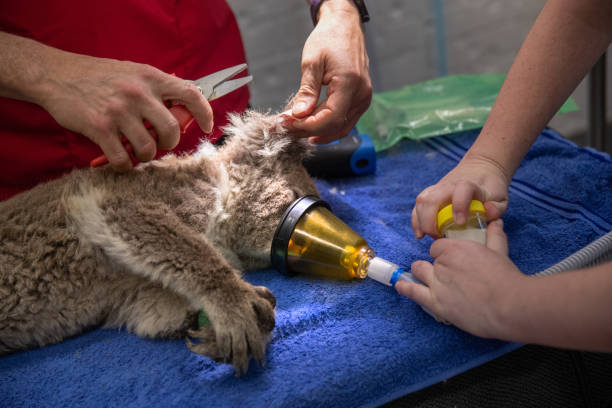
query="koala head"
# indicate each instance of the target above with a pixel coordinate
(264, 165)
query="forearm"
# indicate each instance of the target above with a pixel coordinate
(25, 67)
(566, 40)
(568, 310)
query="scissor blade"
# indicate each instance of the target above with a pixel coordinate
(214, 79)
(229, 86)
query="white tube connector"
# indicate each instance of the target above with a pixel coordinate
(387, 272)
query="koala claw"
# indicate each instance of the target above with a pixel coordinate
(238, 331)
(207, 345)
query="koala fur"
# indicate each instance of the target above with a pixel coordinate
(147, 249)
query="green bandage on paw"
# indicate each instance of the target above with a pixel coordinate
(202, 319)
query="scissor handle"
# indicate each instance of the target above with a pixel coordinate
(182, 115)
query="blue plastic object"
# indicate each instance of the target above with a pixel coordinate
(352, 155)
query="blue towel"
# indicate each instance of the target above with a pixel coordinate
(339, 343)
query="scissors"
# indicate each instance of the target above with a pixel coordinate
(212, 86)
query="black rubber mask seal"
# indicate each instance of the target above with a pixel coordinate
(289, 220)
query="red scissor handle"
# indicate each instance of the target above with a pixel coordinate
(182, 115)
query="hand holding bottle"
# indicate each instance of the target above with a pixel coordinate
(468, 284)
(475, 177)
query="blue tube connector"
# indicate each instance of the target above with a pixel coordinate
(387, 272)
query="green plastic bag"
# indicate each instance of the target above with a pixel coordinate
(441, 106)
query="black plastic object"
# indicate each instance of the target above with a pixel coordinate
(285, 228)
(353, 155)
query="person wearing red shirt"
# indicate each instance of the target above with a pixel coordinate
(76, 77)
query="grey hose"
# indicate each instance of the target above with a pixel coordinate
(597, 252)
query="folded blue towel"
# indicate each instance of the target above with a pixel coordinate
(339, 343)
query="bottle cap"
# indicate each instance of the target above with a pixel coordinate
(446, 214)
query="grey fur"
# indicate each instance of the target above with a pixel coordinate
(145, 250)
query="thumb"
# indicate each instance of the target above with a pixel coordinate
(496, 238)
(495, 209)
(310, 88)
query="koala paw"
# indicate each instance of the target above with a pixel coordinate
(241, 322)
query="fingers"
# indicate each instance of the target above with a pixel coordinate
(460, 194)
(207, 345)
(425, 212)
(350, 120)
(463, 194)
(416, 228)
(423, 271)
(164, 124)
(116, 97)
(264, 313)
(495, 209)
(310, 89)
(189, 95)
(496, 238)
(416, 291)
(496, 241)
(110, 143)
(326, 121)
(164, 132)
(240, 357)
(333, 136)
(257, 347)
(143, 143)
(266, 294)
(440, 246)
(336, 116)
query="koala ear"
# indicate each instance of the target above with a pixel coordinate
(255, 136)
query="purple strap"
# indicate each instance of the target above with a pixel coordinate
(314, 9)
(315, 5)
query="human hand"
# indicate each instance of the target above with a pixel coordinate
(473, 178)
(468, 285)
(334, 55)
(105, 100)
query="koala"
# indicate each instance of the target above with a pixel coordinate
(146, 250)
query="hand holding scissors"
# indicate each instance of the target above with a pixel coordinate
(212, 86)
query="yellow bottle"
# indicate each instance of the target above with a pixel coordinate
(311, 240)
(475, 228)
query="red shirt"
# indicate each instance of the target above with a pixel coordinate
(190, 38)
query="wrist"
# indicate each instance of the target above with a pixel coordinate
(510, 311)
(347, 9)
(484, 159)
(51, 81)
